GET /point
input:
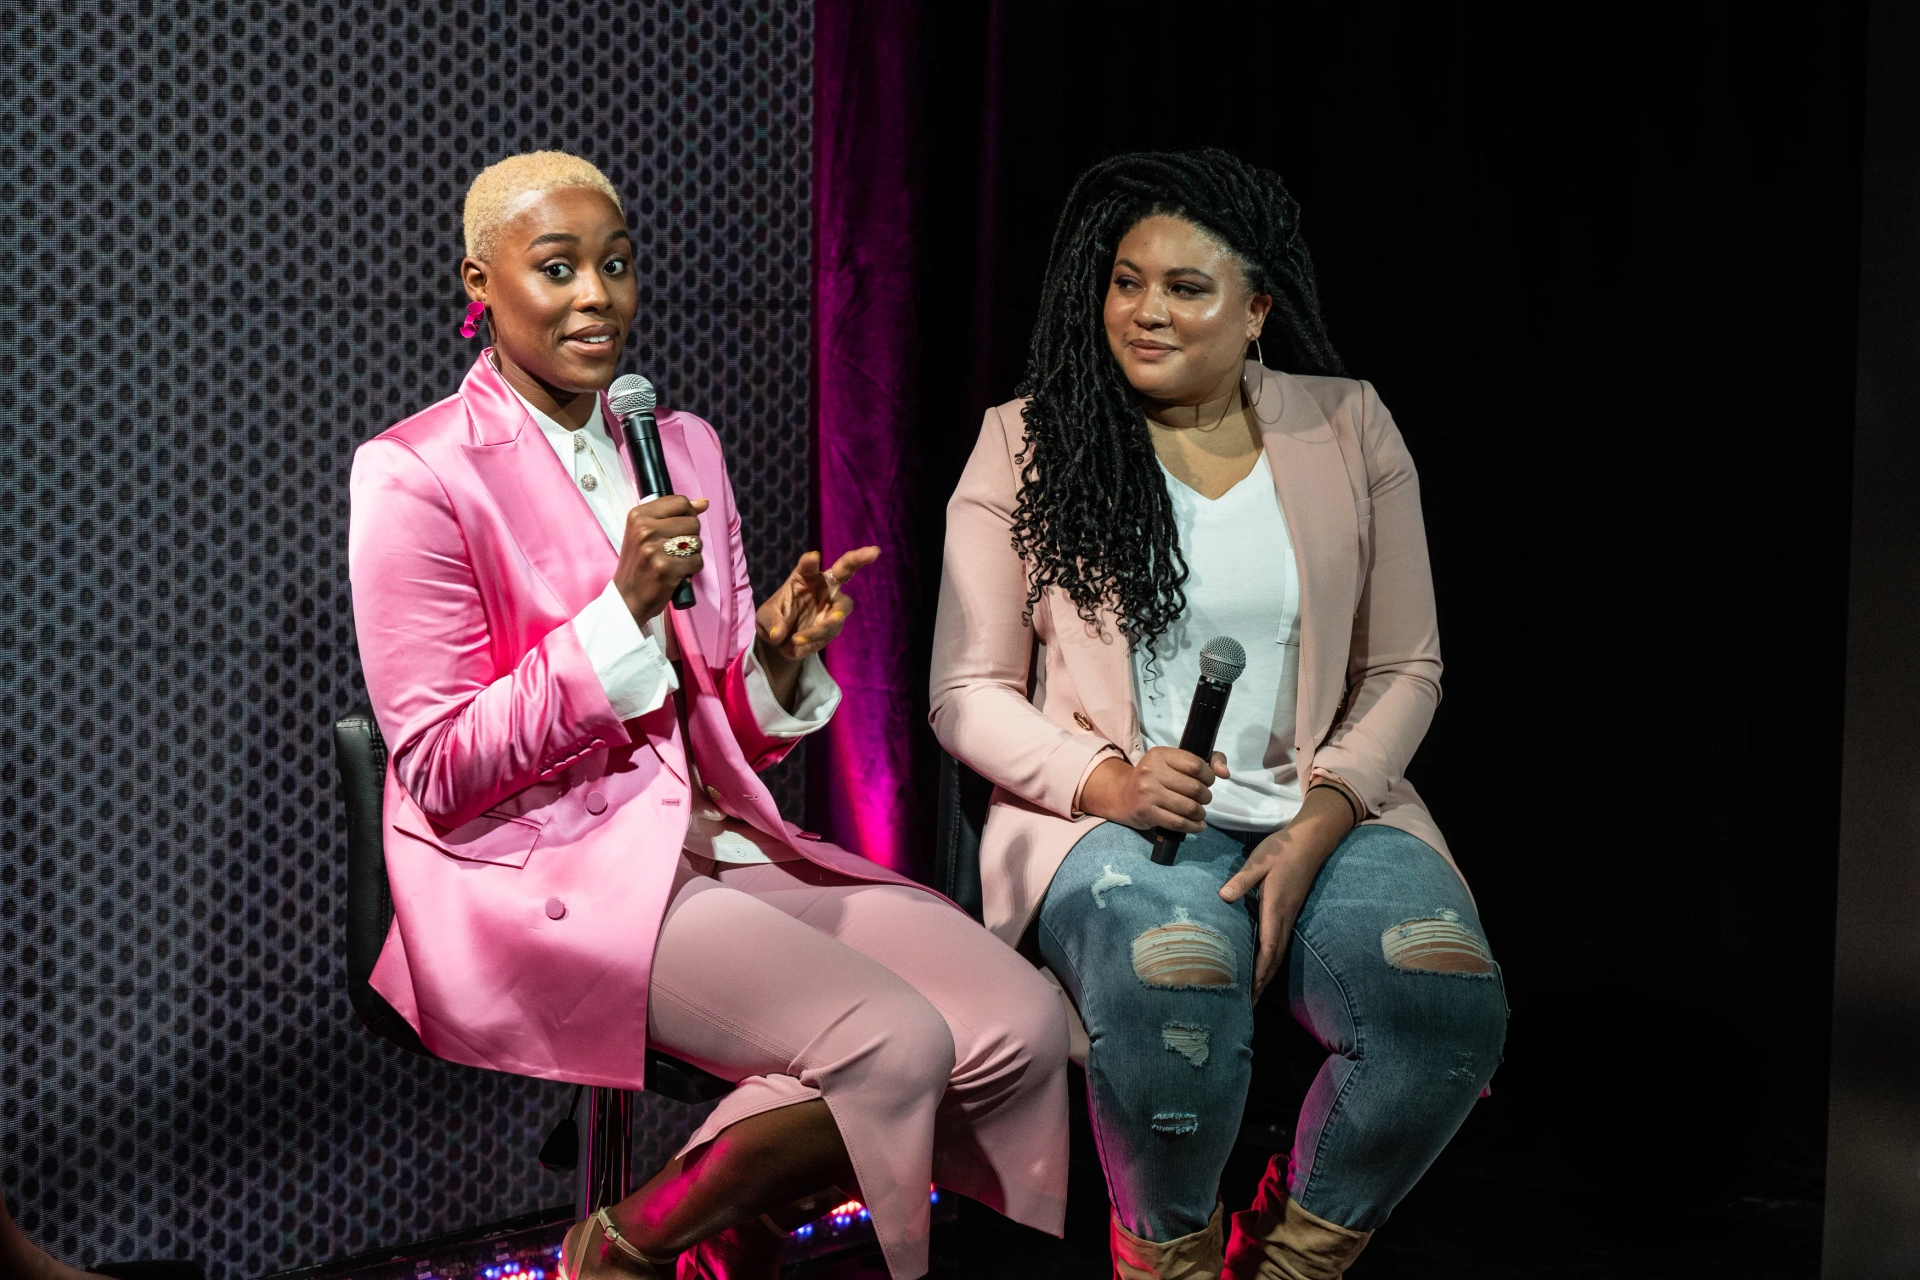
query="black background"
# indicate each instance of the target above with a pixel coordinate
(1601, 263)
(1873, 1193)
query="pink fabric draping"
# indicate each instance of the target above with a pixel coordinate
(866, 206)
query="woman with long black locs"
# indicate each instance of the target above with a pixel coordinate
(1155, 488)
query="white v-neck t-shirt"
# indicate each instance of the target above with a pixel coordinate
(1241, 582)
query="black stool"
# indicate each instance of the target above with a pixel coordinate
(603, 1169)
(964, 797)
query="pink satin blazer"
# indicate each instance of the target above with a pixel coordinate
(1034, 706)
(531, 836)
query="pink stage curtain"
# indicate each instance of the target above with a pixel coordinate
(866, 204)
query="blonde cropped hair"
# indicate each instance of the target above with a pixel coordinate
(499, 185)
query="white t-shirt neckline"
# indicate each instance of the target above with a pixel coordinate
(1260, 468)
(1242, 582)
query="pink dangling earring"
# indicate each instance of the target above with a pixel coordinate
(474, 311)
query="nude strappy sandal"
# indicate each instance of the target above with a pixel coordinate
(647, 1268)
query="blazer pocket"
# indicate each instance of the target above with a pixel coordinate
(501, 838)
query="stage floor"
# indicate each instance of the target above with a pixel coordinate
(1477, 1216)
(1484, 1212)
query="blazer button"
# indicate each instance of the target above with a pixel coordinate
(555, 908)
(1080, 718)
(596, 803)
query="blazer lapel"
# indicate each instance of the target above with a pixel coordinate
(1316, 497)
(712, 611)
(740, 791)
(545, 513)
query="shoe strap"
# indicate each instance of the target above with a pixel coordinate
(625, 1245)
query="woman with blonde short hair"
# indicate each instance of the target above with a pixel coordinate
(583, 858)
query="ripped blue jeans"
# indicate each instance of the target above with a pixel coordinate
(1388, 969)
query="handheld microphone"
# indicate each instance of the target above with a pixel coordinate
(1221, 662)
(633, 399)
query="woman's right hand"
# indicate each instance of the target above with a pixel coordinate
(647, 575)
(1169, 789)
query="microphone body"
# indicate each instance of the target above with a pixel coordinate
(632, 398)
(1221, 662)
(1203, 725)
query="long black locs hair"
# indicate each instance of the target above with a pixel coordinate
(1093, 516)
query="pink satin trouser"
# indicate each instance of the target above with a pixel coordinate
(941, 1053)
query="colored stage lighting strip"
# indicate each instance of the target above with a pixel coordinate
(528, 1247)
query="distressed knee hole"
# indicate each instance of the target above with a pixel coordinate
(1175, 1124)
(1436, 944)
(1107, 883)
(1190, 1042)
(1183, 953)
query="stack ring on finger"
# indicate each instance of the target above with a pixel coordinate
(683, 545)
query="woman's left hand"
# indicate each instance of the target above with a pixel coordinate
(1282, 868)
(806, 613)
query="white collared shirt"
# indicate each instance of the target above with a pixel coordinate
(631, 660)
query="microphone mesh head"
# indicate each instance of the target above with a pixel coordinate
(1222, 659)
(631, 394)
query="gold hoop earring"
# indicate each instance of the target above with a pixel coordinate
(1259, 359)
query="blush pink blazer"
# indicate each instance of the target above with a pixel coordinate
(1033, 707)
(531, 836)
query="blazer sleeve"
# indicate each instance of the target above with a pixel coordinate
(1393, 664)
(983, 644)
(463, 736)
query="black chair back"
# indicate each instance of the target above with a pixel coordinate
(964, 796)
(360, 754)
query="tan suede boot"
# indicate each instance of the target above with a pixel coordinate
(1282, 1241)
(1194, 1257)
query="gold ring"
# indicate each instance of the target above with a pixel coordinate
(682, 545)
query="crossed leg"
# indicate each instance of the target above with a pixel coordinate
(880, 1039)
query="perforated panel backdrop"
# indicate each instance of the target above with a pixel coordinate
(228, 235)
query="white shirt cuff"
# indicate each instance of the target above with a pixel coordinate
(632, 667)
(816, 695)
